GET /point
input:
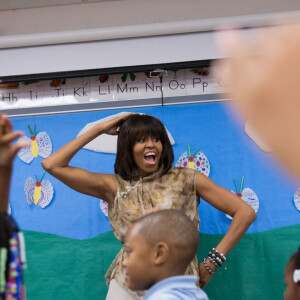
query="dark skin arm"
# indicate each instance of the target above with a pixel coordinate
(94, 184)
(243, 216)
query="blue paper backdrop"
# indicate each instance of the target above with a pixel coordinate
(208, 127)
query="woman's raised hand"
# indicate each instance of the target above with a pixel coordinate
(7, 150)
(111, 127)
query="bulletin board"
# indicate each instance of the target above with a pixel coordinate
(70, 244)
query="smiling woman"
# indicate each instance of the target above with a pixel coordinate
(146, 153)
(144, 178)
(143, 147)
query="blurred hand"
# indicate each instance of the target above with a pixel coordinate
(263, 79)
(7, 150)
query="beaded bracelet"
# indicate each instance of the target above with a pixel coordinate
(219, 253)
(207, 267)
(215, 253)
(214, 262)
(217, 258)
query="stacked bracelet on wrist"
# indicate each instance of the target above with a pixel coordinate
(217, 258)
(209, 270)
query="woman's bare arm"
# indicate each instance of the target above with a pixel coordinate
(95, 184)
(243, 215)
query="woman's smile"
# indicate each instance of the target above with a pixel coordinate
(150, 158)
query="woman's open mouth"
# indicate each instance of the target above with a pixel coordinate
(150, 158)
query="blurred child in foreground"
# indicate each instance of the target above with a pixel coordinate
(12, 255)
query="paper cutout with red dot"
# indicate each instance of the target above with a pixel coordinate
(40, 144)
(38, 192)
(246, 195)
(198, 161)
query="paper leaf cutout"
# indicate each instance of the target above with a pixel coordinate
(250, 198)
(297, 199)
(37, 192)
(40, 144)
(104, 207)
(251, 132)
(197, 162)
(107, 143)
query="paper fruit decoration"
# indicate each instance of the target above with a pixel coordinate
(104, 207)
(103, 78)
(40, 144)
(297, 199)
(125, 75)
(58, 82)
(38, 192)
(200, 71)
(198, 161)
(107, 143)
(247, 195)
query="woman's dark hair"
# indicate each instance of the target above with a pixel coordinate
(134, 128)
(294, 261)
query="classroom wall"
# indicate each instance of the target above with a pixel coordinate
(119, 33)
(70, 244)
(74, 224)
(30, 17)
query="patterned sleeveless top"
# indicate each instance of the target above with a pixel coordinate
(174, 190)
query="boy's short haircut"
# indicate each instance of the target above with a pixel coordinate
(175, 229)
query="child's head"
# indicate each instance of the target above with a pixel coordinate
(292, 277)
(159, 245)
(133, 129)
